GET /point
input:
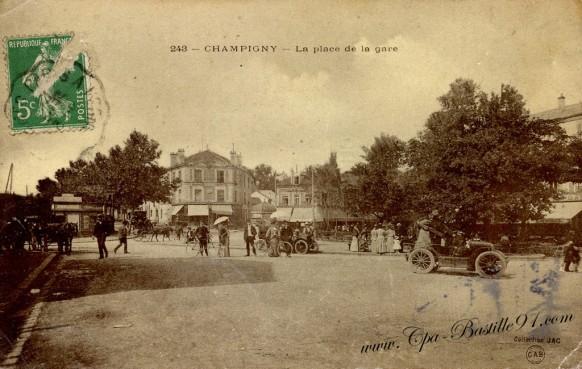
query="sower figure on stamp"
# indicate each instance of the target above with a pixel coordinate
(100, 232)
(50, 104)
(249, 236)
(122, 238)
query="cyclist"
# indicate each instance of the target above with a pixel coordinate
(309, 233)
(286, 234)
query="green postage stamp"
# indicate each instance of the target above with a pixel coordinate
(48, 91)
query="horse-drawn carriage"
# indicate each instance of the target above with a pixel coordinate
(39, 235)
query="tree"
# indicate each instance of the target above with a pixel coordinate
(265, 177)
(374, 186)
(327, 181)
(482, 159)
(47, 188)
(125, 178)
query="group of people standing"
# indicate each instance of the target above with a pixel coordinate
(381, 239)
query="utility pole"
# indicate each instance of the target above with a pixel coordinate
(10, 178)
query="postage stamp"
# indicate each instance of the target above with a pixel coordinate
(47, 91)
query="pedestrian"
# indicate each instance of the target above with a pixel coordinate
(100, 233)
(122, 238)
(224, 238)
(273, 239)
(389, 237)
(250, 235)
(423, 238)
(572, 253)
(375, 236)
(355, 244)
(383, 235)
(286, 234)
(202, 233)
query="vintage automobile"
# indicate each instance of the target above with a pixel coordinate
(471, 255)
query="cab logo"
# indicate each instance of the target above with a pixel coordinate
(535, 354)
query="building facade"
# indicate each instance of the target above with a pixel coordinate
(294, 200)
(211, 186)
(570, 118)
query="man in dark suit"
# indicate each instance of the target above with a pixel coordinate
(100, 232)
(249, 236)
(202, 233)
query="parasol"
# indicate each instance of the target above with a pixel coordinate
(220, 220)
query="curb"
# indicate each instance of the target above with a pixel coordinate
(24, 286)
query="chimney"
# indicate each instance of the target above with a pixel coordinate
(233, 157)
(173, 159)
(180, 156)
(561, 101)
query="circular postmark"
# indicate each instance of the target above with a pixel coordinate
(535, 354)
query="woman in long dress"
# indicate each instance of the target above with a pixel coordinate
(383, 236)
(375, 244)
(390, 234)
(355, 245)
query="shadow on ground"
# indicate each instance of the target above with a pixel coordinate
(79, 278)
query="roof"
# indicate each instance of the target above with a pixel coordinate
(564, 211)
(209, 158)
(266, 193)
(566, 112)
(263, 207)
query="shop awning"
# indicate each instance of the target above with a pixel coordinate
(306, 215)
(282, 214)
(197, 210)
(562, 212)
(176, 209)
(222, 209)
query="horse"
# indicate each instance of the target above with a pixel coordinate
(13, 236)
(165, 231)
(61, 233)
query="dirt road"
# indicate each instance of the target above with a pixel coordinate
(159, 307)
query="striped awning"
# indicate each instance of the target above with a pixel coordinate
(197, 210)
(176, 209)
(222, 209)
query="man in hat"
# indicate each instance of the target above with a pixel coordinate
(250, 234)
(100, 233)
(202, 233)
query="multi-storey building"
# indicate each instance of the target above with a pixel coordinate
(570, 118)
(294, 200)
(569, 209)
(211, 186)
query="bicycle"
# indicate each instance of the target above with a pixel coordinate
(194, 245)
(282, 247)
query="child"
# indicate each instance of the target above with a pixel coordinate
(122, 238)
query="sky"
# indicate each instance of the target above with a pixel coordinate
(285, 108)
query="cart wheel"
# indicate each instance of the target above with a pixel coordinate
(261, 246)
(301, 247)
(314, 247)
(490, 264)
(285, 247)
(421, 261)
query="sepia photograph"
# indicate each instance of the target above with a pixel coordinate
(291, 184)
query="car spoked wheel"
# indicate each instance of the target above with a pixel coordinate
(490, 264)
(421, 261)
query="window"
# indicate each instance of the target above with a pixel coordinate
(179, 174)
(197, 195)
(220, 195)
(191, 192)
(308, 199)
(296, 180)
(209, 175)
(285, 200)
(191, 175)
(197, 175)
(220, 176)
(296, 199)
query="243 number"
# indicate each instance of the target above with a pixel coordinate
(176, 49)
